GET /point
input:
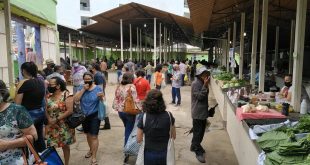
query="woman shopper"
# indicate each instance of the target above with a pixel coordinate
(119, 102)
(176, 85)
(89, 96)
(156, 129)
(158, 77)
(142, 85)
(30, 94)
(15, 123)
(59, 107)
(99, 79)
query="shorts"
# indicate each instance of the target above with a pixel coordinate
(91, 124)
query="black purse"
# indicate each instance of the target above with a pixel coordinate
(77, 117)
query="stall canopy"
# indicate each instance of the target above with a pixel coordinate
(215, 15)
(108, 23)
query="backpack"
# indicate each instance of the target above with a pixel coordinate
(130, 105)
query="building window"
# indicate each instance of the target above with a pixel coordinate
(185, 4)
(84, 5)
(85, 21)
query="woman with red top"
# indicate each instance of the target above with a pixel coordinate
(142, 85)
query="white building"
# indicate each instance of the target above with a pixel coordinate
(76, 13)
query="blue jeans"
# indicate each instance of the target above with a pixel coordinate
(155, 157)
(129, 122)
(38, 117)
(176, 93)
(149, 77)
(119, 73)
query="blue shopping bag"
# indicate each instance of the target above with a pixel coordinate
(101, 110)
(51, 157)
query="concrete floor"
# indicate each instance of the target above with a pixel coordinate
(216, 142)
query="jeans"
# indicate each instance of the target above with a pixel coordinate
(38, 117)
(129, 122)
(199, 127)
(155, 157)
(182, 79)
(176, 93)
(149, 77)
(119, 73)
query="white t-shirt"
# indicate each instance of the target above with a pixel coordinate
(182, 68)
(77, 75)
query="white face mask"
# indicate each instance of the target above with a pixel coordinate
(75, 64)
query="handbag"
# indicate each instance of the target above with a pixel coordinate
(132, 146)
(48, 157)
(140, 157)
(77, 117)
(101, 110)
(170, 146)
(130, 106)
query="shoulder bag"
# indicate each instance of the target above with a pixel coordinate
(77, 117)
(130, 106)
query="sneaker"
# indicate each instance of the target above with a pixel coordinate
(201, 158)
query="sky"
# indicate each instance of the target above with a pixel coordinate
(69, 13)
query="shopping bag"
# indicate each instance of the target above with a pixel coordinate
(101, 110)
(170, 147)
(132, 146)
(140, 158)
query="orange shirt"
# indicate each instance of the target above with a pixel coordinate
(142, 87)
(158, 78)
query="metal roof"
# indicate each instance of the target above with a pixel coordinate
(108, 23)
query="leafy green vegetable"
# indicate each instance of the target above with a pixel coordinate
(269, 141)
(274, 158)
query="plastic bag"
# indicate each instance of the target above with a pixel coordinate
(101, 110)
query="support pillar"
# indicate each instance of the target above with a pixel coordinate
(298, 56)
(7, 20)
(140, 45)
(254, 43)
(160, 61)
(276, 50)
(241, 45)
(130, 44)
(137, 46)
(292, 46)
(234, 47)
(122, 46)
(165, 44)
(84, 51)
(21, 47)
(228, 49)
(70, 48)
(155, 55)
(263, 43)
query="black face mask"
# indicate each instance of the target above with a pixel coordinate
(89, 83)
(51, 89)
(288, 84)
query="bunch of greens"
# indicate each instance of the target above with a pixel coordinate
(301, 147)
(269, 141)
(274, 158)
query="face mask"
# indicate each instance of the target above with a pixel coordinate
(88, 82)
(288, 84)
(75, 64)
(51, 89)
(52, 65)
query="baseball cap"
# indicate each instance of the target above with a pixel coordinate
(49, 61)
(200, 70)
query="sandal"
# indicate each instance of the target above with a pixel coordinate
(94, 162)
(88, 155)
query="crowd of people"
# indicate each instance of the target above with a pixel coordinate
(43, 102)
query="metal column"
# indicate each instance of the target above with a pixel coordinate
(140, 48)
(7, 20)
(155, 57)
(276, 50)
(254, 42)
(298, 56)
(241, 45)
(292, 46)
(234, 46)
(122, 46)
(84, 51)
(137, 46)
(70, 48)
(130, 42)
(263, 43)
(227, 51)
(160, 43)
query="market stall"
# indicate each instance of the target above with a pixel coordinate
(245, 112)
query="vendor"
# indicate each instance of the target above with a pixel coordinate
(286, 91)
